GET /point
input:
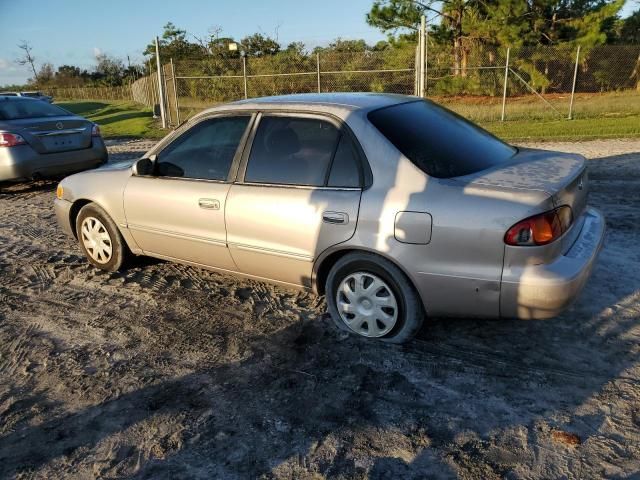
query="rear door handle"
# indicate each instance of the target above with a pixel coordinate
(209, 203)
(335, 217)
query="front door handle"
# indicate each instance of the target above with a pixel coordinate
(209, 203)
(335, 217)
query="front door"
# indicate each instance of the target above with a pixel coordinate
(178, 211)
(299, 195)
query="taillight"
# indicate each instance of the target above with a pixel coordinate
(11, 139)
(540, 229)
(95, 131)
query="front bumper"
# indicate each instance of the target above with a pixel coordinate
(23, 162)
(543, 291)
(63, 215)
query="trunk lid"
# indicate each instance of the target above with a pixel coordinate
(562, 176)
(54, 134)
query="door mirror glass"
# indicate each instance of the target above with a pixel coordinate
(144, 166)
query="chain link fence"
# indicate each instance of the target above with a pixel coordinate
(546, 83)
(90, 93)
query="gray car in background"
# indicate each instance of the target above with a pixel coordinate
(38, 140)
(391, 206)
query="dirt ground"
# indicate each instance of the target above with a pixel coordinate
(167, 371)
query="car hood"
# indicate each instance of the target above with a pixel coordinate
(120, 165)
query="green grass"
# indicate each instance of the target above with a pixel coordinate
(118, 119)
(606, 115)
(577, 129)
(609, 115)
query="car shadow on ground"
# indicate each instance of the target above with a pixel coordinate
(305, 391)
(31, 186)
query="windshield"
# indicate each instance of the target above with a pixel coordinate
(441, 143)
(17, 109)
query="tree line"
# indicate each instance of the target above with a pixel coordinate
(460, 32)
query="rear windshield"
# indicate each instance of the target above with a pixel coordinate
(16, 109)
(438, 141)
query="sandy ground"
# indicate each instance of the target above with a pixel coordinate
(166, 371)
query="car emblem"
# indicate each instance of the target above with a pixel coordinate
(59, 125)
(580, 184)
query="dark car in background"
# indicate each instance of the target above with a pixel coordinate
(38, 140)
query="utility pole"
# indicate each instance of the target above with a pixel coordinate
(163, 113)
(421, 56)
(573, 87)
(504, 91)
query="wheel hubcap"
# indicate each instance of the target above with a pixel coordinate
(96, 240)
(367, 305)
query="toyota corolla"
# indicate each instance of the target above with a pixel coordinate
(393, 207)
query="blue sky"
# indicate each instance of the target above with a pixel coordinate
(73, 31)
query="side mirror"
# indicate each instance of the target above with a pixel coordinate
(144, 166)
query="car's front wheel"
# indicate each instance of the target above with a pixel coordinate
(100, 239)
(370, 296)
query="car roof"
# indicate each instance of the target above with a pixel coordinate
(17, 98)
(320, 101)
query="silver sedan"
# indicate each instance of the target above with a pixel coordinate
(391, 206)
(40, 140)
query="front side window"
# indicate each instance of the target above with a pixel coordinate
(438, 141)
(205, 151)
(292, 151)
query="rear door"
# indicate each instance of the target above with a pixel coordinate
(178, 211)
(298, 194)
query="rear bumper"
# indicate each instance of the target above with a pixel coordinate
(24, 162)
(543, 291)
(63, 215)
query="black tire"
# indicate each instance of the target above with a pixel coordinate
(410, 310)
(119, 250)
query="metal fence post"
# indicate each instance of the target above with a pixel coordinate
(175, 92)
(163, 114)
(573, 87)
(426, 57)
(504, 90)
(422, 55)
(244, 74)
(416, 65)
(318, 70)
(165, 82)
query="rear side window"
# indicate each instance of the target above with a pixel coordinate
(438, 141)
(29, 108)
(345, 170)
(292, 151)
(205, 151)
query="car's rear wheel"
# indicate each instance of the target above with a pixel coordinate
(100, 239)
(370, 296)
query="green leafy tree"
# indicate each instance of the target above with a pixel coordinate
(630, 29)
(462, 24)
(258, 45)
(174, 44)
(46, 74)
(109, 70)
